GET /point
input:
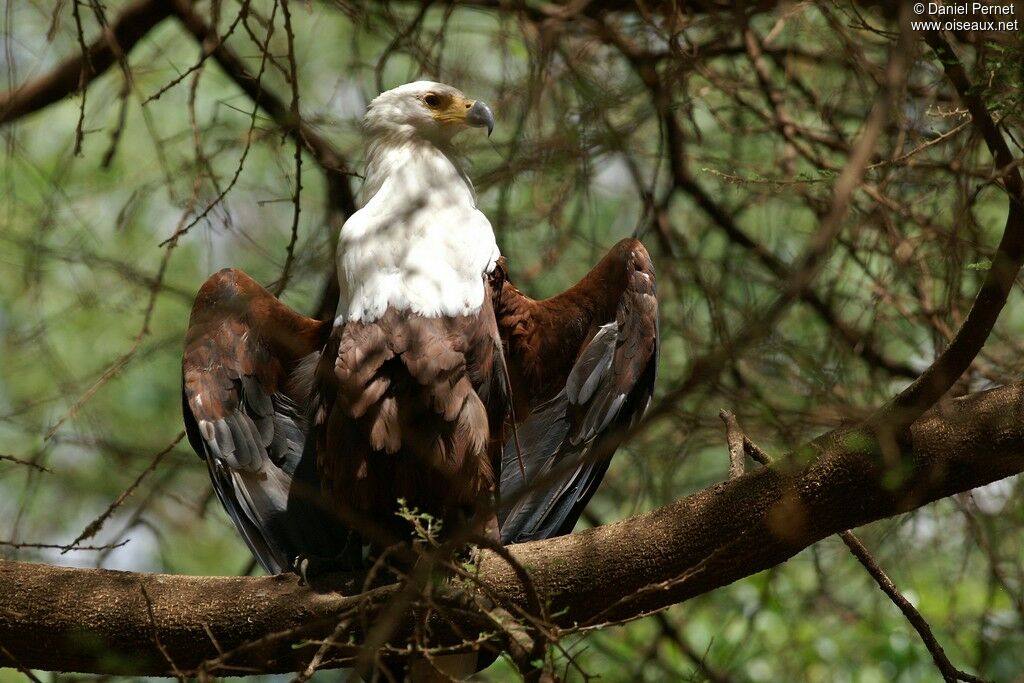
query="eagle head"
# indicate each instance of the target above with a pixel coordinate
(432, 110)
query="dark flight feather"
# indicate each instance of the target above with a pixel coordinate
(242, 351)
(583, 366)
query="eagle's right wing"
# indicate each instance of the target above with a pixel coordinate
(582, 367)
(243, 401)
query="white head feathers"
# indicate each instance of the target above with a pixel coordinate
(419, 244)
(400, 111)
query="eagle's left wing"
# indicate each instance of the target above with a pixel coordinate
(245, 416)
(582, 367)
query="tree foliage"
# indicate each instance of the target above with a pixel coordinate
(816, 184)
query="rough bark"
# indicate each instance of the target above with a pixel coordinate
(120, 622)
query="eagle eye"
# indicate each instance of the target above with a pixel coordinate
(432, 100)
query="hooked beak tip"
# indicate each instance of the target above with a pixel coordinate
(481, 116)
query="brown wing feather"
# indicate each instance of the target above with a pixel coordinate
(582, 368)
(413, 400)
(244, 415)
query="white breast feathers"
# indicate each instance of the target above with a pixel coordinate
(419, 244)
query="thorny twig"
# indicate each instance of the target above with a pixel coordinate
(94, 526)
(26, 463)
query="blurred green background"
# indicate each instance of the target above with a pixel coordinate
(93, 308)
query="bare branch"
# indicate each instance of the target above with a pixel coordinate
(949, 672)
(1006, 263)
(75, 73)
(734, 438)
(322, 150)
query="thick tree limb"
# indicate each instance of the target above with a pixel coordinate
(96, 620)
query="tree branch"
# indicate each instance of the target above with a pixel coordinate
(134, 22)
(75, 73)
(94, 620)
(322, 150)
(937, 379)
(341, 201)
(739, 444)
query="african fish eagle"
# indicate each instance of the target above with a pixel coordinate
(438, 383)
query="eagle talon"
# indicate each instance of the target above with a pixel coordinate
(300, 565)
(310, 567)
